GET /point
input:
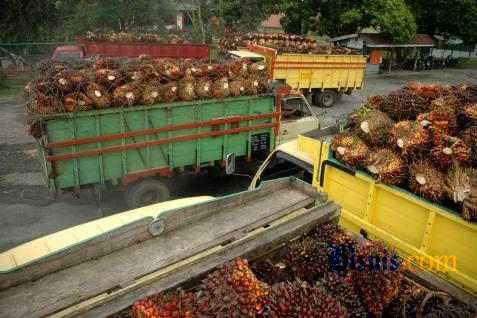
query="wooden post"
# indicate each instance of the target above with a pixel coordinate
(415, 59)
(390, 60)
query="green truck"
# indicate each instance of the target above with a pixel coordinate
(136, 148)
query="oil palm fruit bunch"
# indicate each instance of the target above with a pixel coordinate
(151, 93)
(297, 300)
(377, 277)
(221, 88)
(426, 180)
(203, 88)
(461, 187)
(272, 272)
(75, 102)
(469, 137)
(373, 126)
(126, 95)
(404, 104)
(307, 258)
(44, 105)
(388, 166)
(169, 92)
(237, 86)
(235, 291)
(429, 91)
(467, 94)
(98, 95)
(325, 233)
(107, 63)
(410, 137)
(449, 149)
(350, 149)
(337, 287)
(170, 304)
(187, 88)
(169, 69)
(70, 81)
(441, 122)
(376, 101)
(470, 112)
(109, 78)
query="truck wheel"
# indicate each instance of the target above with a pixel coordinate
(146, 192)
(327, 98)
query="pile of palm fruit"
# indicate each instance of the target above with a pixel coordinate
(420, 137)
(61, 87)
(131, 37)
(283, 43)
(325, 273)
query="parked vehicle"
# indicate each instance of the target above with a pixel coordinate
(323, 78)
(430, 233)
(139, 148)
(88, 49)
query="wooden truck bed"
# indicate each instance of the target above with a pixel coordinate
(187, 242)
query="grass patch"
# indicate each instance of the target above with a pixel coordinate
(11, 86)
(468, 63)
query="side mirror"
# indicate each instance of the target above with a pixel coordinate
(230, 163)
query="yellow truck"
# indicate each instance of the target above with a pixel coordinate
(323, 78)
(430, 237)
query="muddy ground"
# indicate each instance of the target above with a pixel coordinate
(28, 211)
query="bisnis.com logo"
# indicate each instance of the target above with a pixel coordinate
(343, 258)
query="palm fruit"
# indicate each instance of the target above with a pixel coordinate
(375, 101)
(389, 167)
(43, 104)
(237, 68)
(98, 94)
(373, 125)
(186, 88)
(447, 103)
(169, 92)
(75, 102)
(307, 258)
(350, 149)
(109, 78)
(469, 137)
(297, 300)
(410, 137)
(203, 88)
(235, 291)
(467, 94)
(45, 86)
(426, 180)
(439, 122)
(404, 105)
(377, 277)
(461, 187)
(272, 273)
(237, 87)
(337, 287)
(448, 150)
(325, 232)
(70, 81)
(221, 88)
(251, 86)
(107, 63)
(177, 304)
(151, 93)
(169, 68)
(429, 92)
(257, 68)
(470, 112)
(126, 95)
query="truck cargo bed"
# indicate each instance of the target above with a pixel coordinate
(193, 240)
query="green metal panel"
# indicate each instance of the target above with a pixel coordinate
(98, 169)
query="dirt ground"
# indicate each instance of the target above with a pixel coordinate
(28, 211)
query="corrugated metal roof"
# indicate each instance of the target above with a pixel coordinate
(376, 40)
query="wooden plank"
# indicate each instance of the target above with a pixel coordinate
(188, 231)
(256, 242)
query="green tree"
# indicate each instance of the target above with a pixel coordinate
(246, 15)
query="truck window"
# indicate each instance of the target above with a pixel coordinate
(294, 108)
(280, 167)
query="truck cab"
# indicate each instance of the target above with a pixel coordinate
(298, 116)
(68, 52)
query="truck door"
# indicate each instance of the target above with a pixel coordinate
(297, 118)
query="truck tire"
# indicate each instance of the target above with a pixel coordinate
(327, 98)
(146, 192)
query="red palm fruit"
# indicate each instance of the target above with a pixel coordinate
(448, 150)
(235, 291)
(461, 187)
(221, 88)
(187, 88)
(389, 167)
(426, 180)
(410, 137)
(373, 125)
(109, 78)
(98, 94)
(107, 63)
(377, 277)
(404, 105)
(151, 93)
(43, 104)
(237, 87)
(469, 137)
(307, 258)
(169, 92)
(376, 101)
(337, 287)
(350, 149)
(70, 81)
(441, 122)
(296, 299)
(271, 272)
(203, 88)
(470, 112)
(126, 95)
(75, 102)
